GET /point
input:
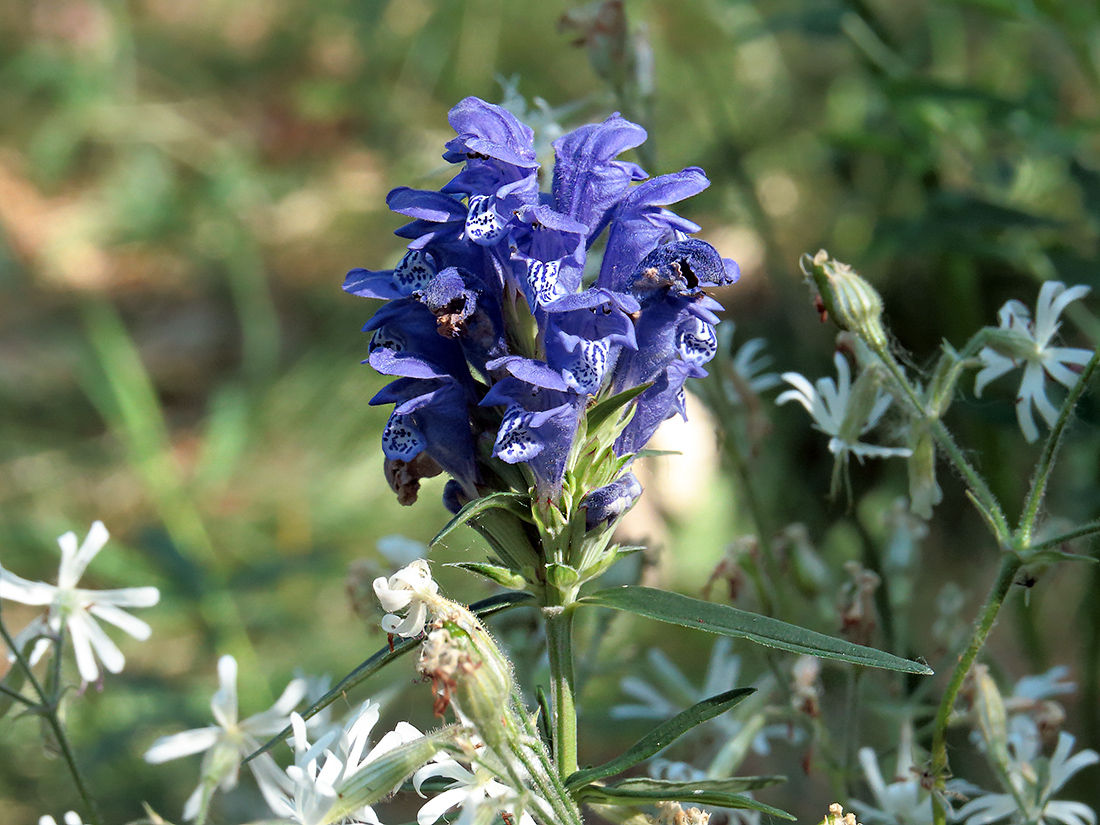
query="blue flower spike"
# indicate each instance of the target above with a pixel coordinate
(530, 386)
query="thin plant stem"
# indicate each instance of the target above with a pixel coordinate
(978, 486)
(16, 696)
(1050, 450)
(1088, 529)
(47, 709)
(559, 643)
(986, 619)
(851, 726)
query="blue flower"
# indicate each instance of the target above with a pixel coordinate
(495, 338)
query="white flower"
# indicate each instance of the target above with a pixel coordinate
(1032, 689)
(474, 792)
(317, 779)
(71, 818)
(901, 802)
(828, 403)
(1031, 349)
(230, 740)
(410, 588)
(749, 363)
(1033, 788)
(77, 609)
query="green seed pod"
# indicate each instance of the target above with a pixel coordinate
(853, 304)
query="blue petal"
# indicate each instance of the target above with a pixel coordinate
(489, 130)
(641, 223)
(587, 180)
(401, 439)
(606, 504)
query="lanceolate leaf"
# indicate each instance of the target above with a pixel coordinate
(485, 607)
(515, 503)
(732, 784)
(724, 620)
(602, 411)
(660, 737)
(678, 792)
(494, 572)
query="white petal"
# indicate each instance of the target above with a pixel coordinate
(122, 620)
(435, 807)
(191, 806)
(126, 596)
(17, 589)
(224, 702)
(869, 762)
(82, 649)
(93, 543)
(1026, 420)
(1071, 813)
(185, 743)
(987, 809)
(105, 649)
(995, 365)
(73, 818)
(68, 545)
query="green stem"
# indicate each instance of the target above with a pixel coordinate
(1050, 449)
(1088, 529)
(1009, 566)
(16, 696)
(532, 755)
(48, 710)
(559, 642)
(978, 486)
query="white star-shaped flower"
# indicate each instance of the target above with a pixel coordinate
(1031, 348)
(475, 792)
(410, 588)
(317, 781)
(77, 609)
(1033, 789)
(828, 403)
(228, 742)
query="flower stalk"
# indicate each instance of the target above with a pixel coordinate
(1010, 565)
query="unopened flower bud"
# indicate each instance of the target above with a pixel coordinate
(989, 710)
(605, 505)
(836, 816)
(851, 301)
(924, 490)
(467, 668)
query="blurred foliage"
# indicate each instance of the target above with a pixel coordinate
(183, 185)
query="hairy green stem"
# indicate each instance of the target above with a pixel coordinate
(559, 642)
(946, 442)
(988, 616)
(1050, 450)
(549, 784)
(1088, 529)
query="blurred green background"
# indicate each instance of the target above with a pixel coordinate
(184, 184)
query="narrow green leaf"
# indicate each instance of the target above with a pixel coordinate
(605, 409)
(660, 737)
(493, 572)
(732, 784)
(486, 607)
(724, 620)
(679, 792)
(515, 503)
